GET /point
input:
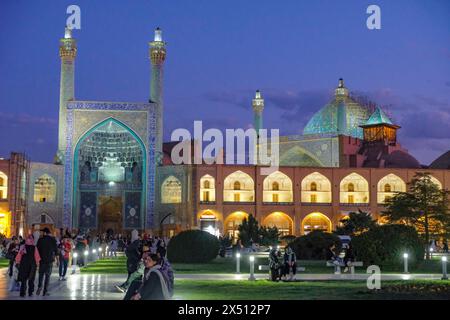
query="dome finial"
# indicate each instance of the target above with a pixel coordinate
(341, 83)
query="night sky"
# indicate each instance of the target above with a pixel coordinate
(219, 53)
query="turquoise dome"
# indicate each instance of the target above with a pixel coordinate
(342, 115)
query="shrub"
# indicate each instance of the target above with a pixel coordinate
(314, 245)
(384, 245)
(193, 246)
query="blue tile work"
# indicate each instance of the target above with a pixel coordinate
(127, 108)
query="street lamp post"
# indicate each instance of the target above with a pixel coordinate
(431, 253)
(238, 262)
(405, 260)
(74, 262)
(444, 268)
(86, 256)
(94, 254)
(252, 269)
(100, 252)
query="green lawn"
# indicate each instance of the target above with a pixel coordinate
(309, 290)
(228, 265)
(4, 262)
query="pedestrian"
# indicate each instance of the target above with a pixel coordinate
(161, 250)
(349, 257)
(36, 234)
(48, 250)
(167, 272)
(274, 264)
(154, 286)
(113, 246)
(65, 249)
(133, 253)
(12, 248)
(445, 246)
(290, 263)
(27, 259)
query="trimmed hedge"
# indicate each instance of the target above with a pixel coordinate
(314, 245)
(384, 245)
(193, 246)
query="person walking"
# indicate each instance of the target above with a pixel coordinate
(36, 234)
(48, 250)
(113, 246)
(161, 250)
(27, 259)
(445, 246)
(65, 249)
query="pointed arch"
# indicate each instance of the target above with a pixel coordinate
(45, 189)
(281, 221)
(316, 221)
(277, 187)
(246, 190)
(171, 190)
(354, 188)
(3, 185)
(232, 223)
(316, 187)
(388, 186)
(207, 188)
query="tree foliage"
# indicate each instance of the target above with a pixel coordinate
(424, 206)
(356, 223)
(250, 232)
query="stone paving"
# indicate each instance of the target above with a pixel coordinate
(101, 286)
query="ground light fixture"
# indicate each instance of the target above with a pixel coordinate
(252, 268)
(74, 263)
(238, 262)
(405, 262)
(431, 253)
(444, 268)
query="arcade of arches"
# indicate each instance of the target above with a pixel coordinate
(388, 186)
(207, 189)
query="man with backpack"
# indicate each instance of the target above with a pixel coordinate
(48, 250)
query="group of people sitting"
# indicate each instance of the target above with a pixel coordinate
(335, 256)
(150, 275)
(282, 266)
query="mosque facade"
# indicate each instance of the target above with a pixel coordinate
(112, 171)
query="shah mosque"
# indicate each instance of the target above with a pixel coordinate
(112, 170)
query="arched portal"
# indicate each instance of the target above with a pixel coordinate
(388, 186)
(354, 189)
(238, 187)
(281, 221)
(316, 221)
(316, 188)
(109, 178)
(232, 223)
(207, 189)
(277, 187)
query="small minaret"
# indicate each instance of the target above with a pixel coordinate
(258, 107)
(341, 93)
(157, 55)
(67, 52)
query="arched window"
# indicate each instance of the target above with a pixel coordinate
(275, 186)
(238, 187)
(387, 187)
(316, 188)
(171, 190)
(354, 189)
(281, 221)
(207, 189)
(351, 187)
(316, 221)
(3, 186)
(44, 189)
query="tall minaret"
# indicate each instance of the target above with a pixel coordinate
(67, 52)
(157, 54)
(258, 107)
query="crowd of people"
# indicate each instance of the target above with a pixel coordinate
(150, 275)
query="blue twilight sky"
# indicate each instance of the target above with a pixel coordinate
(219, 53)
